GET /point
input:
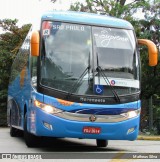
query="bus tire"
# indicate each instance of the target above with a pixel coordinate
(15, 132)
(101, 143)
(30, 139)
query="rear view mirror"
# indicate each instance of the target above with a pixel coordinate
(152, 51)
(35, 43)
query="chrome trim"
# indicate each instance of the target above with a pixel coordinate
(86, 117)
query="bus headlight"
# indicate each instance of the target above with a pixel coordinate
(131, 114)
(47, 108)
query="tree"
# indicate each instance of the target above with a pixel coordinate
(117, 8)
(150, 30)
(10, 42)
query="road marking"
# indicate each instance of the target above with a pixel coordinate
(119, 158)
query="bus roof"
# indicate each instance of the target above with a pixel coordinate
(87, 18)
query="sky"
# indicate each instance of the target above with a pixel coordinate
(26, 10)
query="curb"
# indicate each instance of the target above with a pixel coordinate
(153, 138)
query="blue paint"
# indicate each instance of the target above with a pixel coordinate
(87, 18)
(25, 95)
(73, 129)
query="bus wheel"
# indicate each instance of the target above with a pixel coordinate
(101, 143)
(30, 139)
(15, 132)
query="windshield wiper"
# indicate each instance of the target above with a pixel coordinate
(78, 81)
(99, 70)
(87, 70)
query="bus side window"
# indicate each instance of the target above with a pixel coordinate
(34, 71)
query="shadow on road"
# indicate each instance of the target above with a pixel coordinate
(69, 145)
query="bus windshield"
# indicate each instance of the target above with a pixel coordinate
(71, 53)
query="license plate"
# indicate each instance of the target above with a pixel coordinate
(91, 130)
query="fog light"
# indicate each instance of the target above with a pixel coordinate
(130, 130)
(47, 125)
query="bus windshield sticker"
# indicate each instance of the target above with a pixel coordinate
(68, 27)
(46, 32)
(98, 89)
(120, 82)
(109, 38)
(46, 26)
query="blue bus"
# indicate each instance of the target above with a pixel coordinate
(77, 75)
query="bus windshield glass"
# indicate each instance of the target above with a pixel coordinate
(71, 53)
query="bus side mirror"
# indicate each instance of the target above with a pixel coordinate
(35, 43)
(152, 51)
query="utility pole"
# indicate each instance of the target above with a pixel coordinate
(150, 113)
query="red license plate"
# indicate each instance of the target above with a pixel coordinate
(91, 130)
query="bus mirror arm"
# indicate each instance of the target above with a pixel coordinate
(152, 51)
(35, 43)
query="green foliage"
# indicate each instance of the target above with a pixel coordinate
(117, 8)
(157, 106)
(150, 30)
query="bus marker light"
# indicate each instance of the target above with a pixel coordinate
(130, 130)
(47, 125)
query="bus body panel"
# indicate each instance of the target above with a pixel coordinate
(76, 106)
(67, 128)
(83, 18)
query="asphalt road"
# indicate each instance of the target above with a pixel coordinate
(78, 149)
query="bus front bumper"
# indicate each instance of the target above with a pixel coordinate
(44, 124)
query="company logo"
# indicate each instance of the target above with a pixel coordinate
(98, 89)
(6, 156)
(92, 118)
(92, 100)
(113, 82)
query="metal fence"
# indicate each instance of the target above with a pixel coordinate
(150, 116)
